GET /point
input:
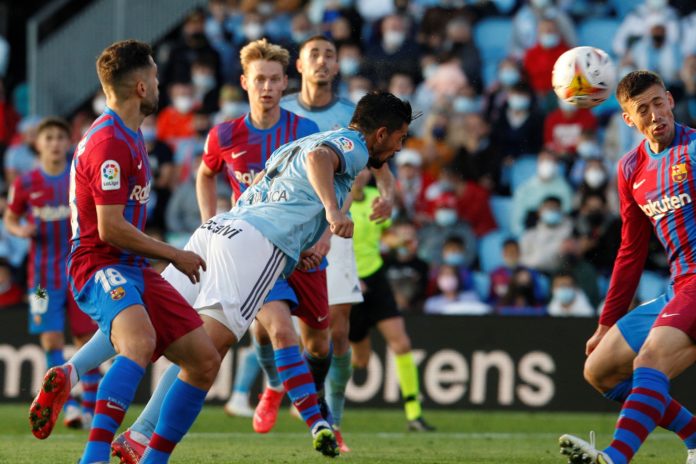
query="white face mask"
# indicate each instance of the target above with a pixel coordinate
(99, 105)
(357, 94)
(447, 283)
(232, 108)
(588, 149)
(203, 81)
(349, 66)
(595, 177)
(394, 39)
(546, 169)
(252, 31)
(446, 217)
(182, 104)
(429, 70)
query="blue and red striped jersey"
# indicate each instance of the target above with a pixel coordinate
(242, 150)
(657, 192)
(110, 167)
(44, 200)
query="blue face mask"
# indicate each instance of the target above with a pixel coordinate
(349, 66)
(549, 40)
(565, 295)
(446, 217)
(509, 76)
(454, 259)
(149, 133)
(519, 102)
(464, 105)
(551, 217)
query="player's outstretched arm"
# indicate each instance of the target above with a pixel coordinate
(116, 231)
(322, 163)
(386, 184)
(15, 227)
(206, 192)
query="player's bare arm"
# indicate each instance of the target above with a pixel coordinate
(322, 163)
(116, 231)
(386, 184)
(206, 191)
(15, 227)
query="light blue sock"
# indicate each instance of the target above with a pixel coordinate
(266, 357)
(248, 369)
(339, 374)
(90, 355)
(147, 420)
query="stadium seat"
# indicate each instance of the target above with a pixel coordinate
(502, 211)
(544, 285)
(490, 250)
(651, 286)
(493, 37)
(522, 169)
(482, 284)
(598, 32)
(602, 285)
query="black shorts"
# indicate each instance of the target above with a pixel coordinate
(379, 305)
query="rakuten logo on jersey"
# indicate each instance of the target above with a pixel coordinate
(51, 213)
(656, 209)
(140, 193)
(245, 178)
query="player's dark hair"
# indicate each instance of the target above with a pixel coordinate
(635, 83)
(316, 37)
(120, 59)
(53, 121)
(552, 199)
(454, 240)
(381, 109)
(563, 273)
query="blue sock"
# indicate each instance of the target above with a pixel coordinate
(116, 391)
(147, 420)
(620, 392)
(54, 358)
(90, 355)
(247, 370)
(319, 367)
(641, 413)
(180, 407)
(266, 357)
(298, 383)
(339, 374)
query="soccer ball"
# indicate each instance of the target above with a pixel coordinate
(584, 76)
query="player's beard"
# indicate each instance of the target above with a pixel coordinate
(375, 163)
(148, 107)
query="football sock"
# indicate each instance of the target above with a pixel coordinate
(247, 370)
(266, 357)
(339, 374)
(90, 355)
(116, 391)
(677, 418)
(147, 420)
(90, 384)
(318, 367)
(180, 407)
(299, 384)
(641, 413)
(54, 358)
(407, 373)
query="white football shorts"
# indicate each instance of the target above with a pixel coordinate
(342, 273)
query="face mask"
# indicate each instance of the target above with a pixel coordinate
(232, 108)
(658, 40)
(567, 107)
(540, 3)
(588, 149)
(510, 264)
(349, 66)
(99, 105)
(439, 133)
(149, 133)
(546, 169)
(509, 76)
(182, 104)
(551, 217)
(403, 252)
(446, 217)
(656, 4)
(299, 36)
(447, 283)
(429, 70)
(465, 105)
(565, 295)
(519, 102)
(357, 94)
(454, 259)
(203, 81)
(595, 178)
(549, 40)
(393, 39)
(595, 218)
(253, 31)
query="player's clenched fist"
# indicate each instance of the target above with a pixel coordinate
(340, 223)
(189, 263)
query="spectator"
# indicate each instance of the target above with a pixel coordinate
(521, 297)
(21, 157)
(253, 28)
(588, 151)
(526, 20)
(231, 103)
(395, 50)
(510, 73)
(479, 158)
(411, 185)
(540, 246)
(175, 122)
(358, 86)
(501, 276)
(9, 118)
(584, 273)
(406, 272)
(162, 168)
(519, 130)
(599, 233)
(433, 145)
(451, 298)
(685, 110)
(567, 299)
(595, 179)
(655, 52)
(183, 213)
(563, 127)
(633, 26)
(205, 85)
(688, 27)
(11, 293)
(548, 182)
(220, 37)
(539, 60)
(190, 147)
(453, 254)
(459, 43)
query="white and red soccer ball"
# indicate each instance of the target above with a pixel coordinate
(584, 76)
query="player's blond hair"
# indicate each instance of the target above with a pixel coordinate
(262, 49)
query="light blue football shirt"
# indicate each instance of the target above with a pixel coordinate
(284, 207)
(335, 115)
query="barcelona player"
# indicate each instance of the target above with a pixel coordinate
(41, 196)
(656, 190)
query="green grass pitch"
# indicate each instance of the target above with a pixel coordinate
(375, 436)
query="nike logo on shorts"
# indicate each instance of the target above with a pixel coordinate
(322, 318)
(669, 314)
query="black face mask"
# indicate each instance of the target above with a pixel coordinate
(658, 40)
(595, 218)
(439, 133)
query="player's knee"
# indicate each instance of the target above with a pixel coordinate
(283, 335)
(208, 367)
(139, 349)
(400, 345)
(592, 376)
(317, 347)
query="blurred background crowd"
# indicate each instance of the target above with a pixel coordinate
(506, 198)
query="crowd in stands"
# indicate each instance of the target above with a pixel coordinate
(506, 197)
